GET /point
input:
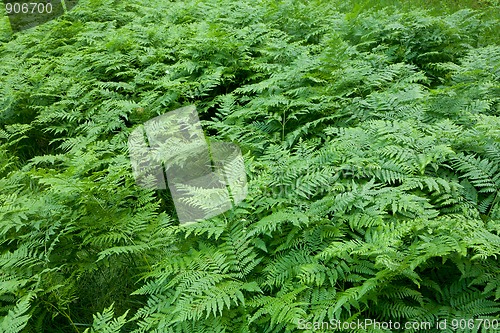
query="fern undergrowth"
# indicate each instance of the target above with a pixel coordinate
(371, 140)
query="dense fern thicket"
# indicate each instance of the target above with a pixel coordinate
(371, 139)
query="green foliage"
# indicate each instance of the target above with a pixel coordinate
(16, 318)
(371, 139)
(104, 322)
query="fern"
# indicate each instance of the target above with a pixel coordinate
(104, 322)
(370, 138)
(17, 318)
